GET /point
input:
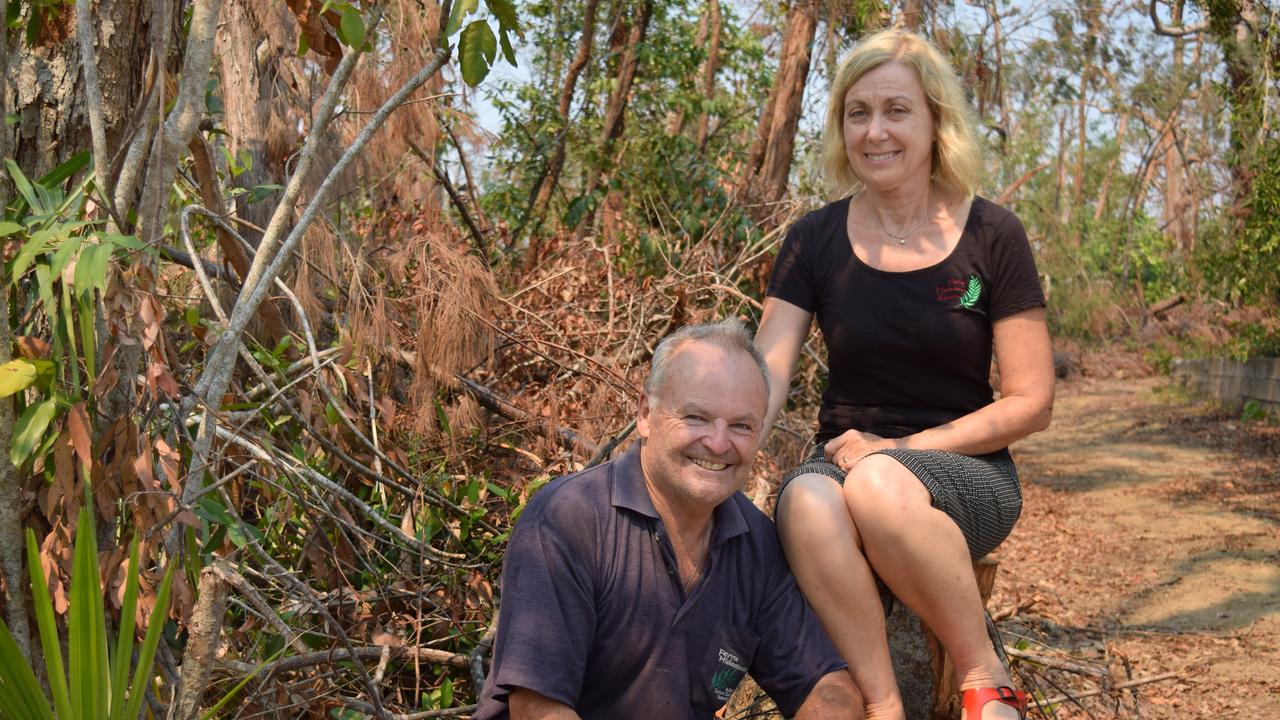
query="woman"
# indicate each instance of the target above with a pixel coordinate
(913, 280)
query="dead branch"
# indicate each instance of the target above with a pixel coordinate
(182, 121)
(278, 571)
(1164, 306)
(482, 244)
(294, 467)
(509, 410)
(1173, 30)
(229, 575)
(203, 638)
(93, 98)
(363, 652)
(1055, 664)
(1007, 193)
(1119, 686)
(614, 441)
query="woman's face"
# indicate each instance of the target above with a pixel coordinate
(888, 128)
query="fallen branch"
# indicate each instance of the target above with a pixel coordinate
(204, 634)
(1122, 686)
(365, 652)
(1047, 662)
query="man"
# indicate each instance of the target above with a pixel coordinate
(648, 586)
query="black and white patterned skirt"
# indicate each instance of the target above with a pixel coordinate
(981, 494)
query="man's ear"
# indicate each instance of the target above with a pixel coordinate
(642, 416)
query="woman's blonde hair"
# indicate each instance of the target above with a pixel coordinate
(957, 160)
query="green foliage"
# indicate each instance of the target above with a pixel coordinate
(478, 45)
(672, 189)
(1253, 411)
(60, 269)
(95, 684)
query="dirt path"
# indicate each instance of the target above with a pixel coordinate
(1151, 538)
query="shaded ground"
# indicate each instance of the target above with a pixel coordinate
(1149, 545)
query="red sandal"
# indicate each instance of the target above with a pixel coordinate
(974, 699)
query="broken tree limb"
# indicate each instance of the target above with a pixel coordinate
(366, 652)
(1119, 686)
(204, 634)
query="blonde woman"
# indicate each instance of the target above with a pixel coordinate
(915, 282)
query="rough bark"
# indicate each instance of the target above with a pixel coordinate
(11, 542)
(203, 635)
(258, 78)
(785, 100)
(48, 91)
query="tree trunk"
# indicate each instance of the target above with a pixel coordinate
(47, 86)
(541, 191)
(708, 36)
(778, 124)
(255, 80)
(912, 15)
(1175, 196)
(709, 66)
(625, 44)
(11, 524)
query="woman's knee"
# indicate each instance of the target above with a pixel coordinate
(811, 498)
(880, 485)
(811, 508)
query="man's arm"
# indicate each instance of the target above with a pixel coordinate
(529, 705)
(834, 697)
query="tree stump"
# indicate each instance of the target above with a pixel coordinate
(923, 670)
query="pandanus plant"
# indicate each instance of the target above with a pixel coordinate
(98, 686)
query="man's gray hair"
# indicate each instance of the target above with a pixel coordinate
(731, 334)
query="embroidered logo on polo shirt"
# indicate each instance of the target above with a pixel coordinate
(963, 293)
(725, 680)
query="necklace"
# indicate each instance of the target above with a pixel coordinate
(901, 238)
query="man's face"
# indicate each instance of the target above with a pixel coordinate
(702, 427)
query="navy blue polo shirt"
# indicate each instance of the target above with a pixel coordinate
(594, 616)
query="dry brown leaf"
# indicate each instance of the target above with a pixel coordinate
(81, 432)
(32, 348)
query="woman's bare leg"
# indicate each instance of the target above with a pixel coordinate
(824, 550)
(920, 553)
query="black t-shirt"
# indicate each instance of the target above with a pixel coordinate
(909, 350)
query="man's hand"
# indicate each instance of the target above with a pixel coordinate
(834, 697)
(528, 705)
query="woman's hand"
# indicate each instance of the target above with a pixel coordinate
(846, 450)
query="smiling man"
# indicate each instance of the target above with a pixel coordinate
(647, 587)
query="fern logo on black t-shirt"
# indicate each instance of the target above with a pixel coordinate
(963, 294)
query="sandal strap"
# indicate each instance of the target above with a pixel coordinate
(974, 699)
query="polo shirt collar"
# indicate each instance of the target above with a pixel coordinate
(629, 492)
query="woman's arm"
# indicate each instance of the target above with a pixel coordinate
(783, 328)
(1025, 359)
